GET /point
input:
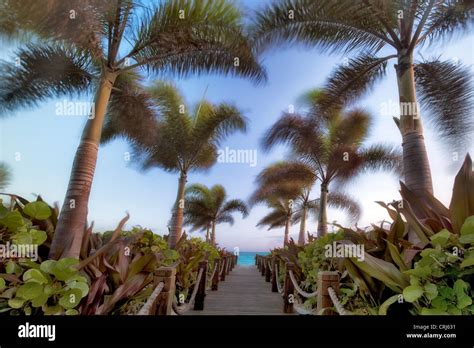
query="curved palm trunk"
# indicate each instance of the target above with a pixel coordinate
(178, 210)
(287, 231)
(213, 234)
(322, 217)
(70, 229)
(416, 165)
(301, 236)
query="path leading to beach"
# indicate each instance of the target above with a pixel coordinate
(244, 292)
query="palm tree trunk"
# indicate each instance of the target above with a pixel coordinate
(287, 231)
(70, 229)
(301, 236)
(322, 218)
(416, 165)
(207, 233)
(177, 219)
(213, 234)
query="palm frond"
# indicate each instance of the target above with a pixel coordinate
(339, 26)
(447, 19)
(351, 80)
(446, 90)
(5, 175)
(385, 157)
(131, 112)
(43, 72)
(191, 37)
(345, 203)
(235, 205)
(301, 133)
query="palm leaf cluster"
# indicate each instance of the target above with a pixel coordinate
(207, 207)
(326, 147)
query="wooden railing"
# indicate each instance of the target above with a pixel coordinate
(162, 300)
(327, 285)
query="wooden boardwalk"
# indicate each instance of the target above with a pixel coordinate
(244, 292)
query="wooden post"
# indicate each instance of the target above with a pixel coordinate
(268, 271)
(263, 266)
(236, 259)
(164, 301)
(224, 265)
(229, 265)
(215, 279)
(326, 280)
(256, 260)
(201, 293)
(274, 275)
(288, 295)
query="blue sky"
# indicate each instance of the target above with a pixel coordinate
(47, 142)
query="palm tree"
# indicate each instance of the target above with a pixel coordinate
(328, 147)
(209, 207)
(367, 26)
(88, 45)
(279, 215)
(5, 175)
(177, 138)
(277, 181)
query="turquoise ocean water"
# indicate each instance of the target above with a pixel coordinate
(247, 258)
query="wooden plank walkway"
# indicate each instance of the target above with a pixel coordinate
(244, 292)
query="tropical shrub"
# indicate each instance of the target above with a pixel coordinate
(29, 285)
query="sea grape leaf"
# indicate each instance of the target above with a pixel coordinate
(412, 292)
(37, 210)
(30, 290)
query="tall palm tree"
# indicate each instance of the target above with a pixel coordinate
(5, 175)
(367, 26)
(87, 45)
(277, 181)
(328, 147)
(177, 139)
(209, 207)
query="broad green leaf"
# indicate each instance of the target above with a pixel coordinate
(384, 306)
(39, 300)
(48, 266)
(52, 310)
(2, 283)
(412, 293)
(467, 239)
(22, 238)
(83, 287)
(13, 268)
(34, 275)
(72, 312)
(421, 272)
(29, 290)
(431, 290)
(37, 210)
(441, 238)
(12, 221)
(468, 261)
(16, 302)
(71, 298)
(468, 226)
(38, 237)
